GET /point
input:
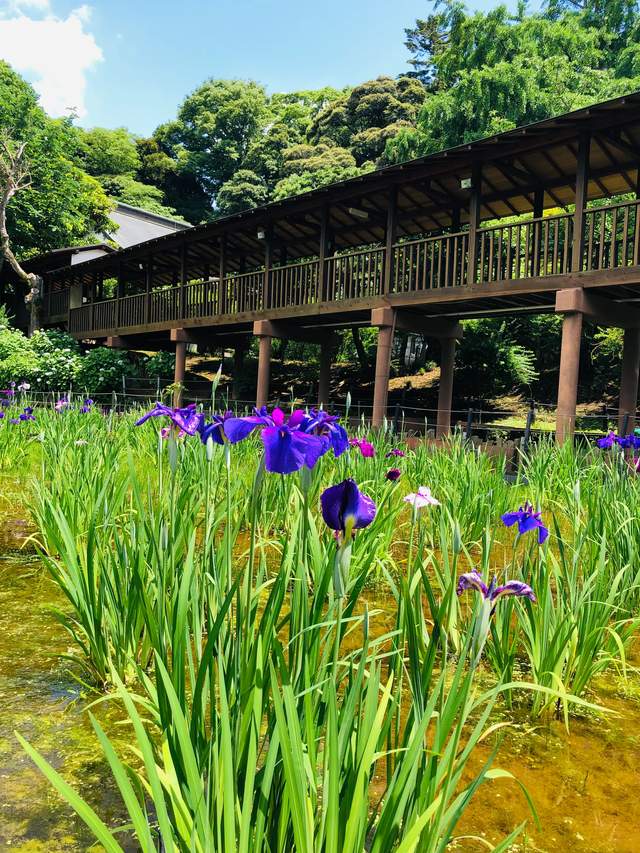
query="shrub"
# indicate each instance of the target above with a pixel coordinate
(50, 340)
(161, 365)
(101, 370)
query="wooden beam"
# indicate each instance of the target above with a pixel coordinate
(604, 312)
(475, 206)
(409, 321)
(582, 182)
(291, 332)
(390, 239)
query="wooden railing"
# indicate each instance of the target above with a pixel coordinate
(294, 284)
(431, 263)
(611, 236)
(56, 304)
(529, 249)
(356, 275)
(537, 247)
(243, 292)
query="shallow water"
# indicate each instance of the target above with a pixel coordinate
(585, 784)
(42, 702)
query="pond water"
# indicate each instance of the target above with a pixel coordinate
(585, 784)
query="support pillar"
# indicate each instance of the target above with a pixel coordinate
(324, 381)
(629, 380)
(569, 373)
(260, 329)
(238, 369)
(445, 392)
(383, 367)
(178, 376)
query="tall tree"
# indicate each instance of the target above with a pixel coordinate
(62, 205)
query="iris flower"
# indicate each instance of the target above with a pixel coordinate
(345, 509)
(24, 386)
(491, 593)
(490, 596)
(88, 403)
(185, 419)
(527, 520)
(319, 422)
(393, 474)
(395, 452)
(366, 448)
(625, 441)
(63, 403)
(421, 498)
(287, 445)
(215, 429)
(27, 414)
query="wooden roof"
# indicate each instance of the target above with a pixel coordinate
(539, 156)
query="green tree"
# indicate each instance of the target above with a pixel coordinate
(62, 205)
(108, 152)
(363, 119)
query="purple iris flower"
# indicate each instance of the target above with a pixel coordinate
(185, 419)
(14, 420)
(287, 447)
(629, 441)
(62, 404)
(526, 520)
(1, 415)
(215, 429)
(345, 508)
(86, 407)
(319, 422)
(366, 448)
(27, 415)
(395, 452)
(607, 441)
(393, 474)
(237, 429)
(493, 592)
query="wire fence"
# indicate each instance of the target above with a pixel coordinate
(483, 423)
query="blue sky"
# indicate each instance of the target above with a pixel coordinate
(131, 62)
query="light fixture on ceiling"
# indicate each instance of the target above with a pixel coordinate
(359, 214)
(260, 234)
(465, 183)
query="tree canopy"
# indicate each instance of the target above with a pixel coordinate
(63, 204)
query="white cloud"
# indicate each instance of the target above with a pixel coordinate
(54, 53)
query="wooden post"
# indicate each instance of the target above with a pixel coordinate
(568, 379)
(390, 239)
(178, 376)
(148, 286)
(322, 255)
(383, 366)
(238, 369)
(324, 381)
(538, 210)
(222, 273)
(445, 391)
(119, 294)
(629, 380)
(582, 183)
(94, 288)
(264, 370)
(184, 258)
(268, 263)
(474, 221)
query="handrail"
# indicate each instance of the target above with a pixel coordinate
(509, 250)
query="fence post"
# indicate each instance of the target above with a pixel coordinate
(531, 416)
(467, 433)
